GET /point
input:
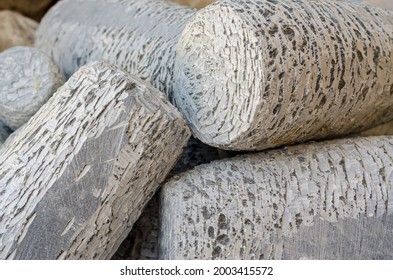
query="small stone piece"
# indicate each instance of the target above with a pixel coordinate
(31, 8)
(28, 78)
(76, 177)
(4, 133)
(16, 30)
(328, 200)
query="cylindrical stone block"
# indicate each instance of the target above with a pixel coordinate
(76, 177)
(137, 36)
(252, 75)
(328, 200)
(248, 75)
(28, 78)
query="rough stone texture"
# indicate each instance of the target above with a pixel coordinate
(4, 133)
(28, 78)
(385, 4)
(259, 74)
(249, 75)
(328, 200)
(137, 36)
(142, 242)
(16, 30)
(75, 179)
(31, 8)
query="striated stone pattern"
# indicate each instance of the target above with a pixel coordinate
(328, 200)
(4, 133)
(16, 30)
(142, 242)
(252, 75)
(28, 78)
(75, 179)
(137, 36)
(31, 8)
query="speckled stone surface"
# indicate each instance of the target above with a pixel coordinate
(248, 75)
(137, 36)
(28, 78)
(253, 75)
(76, 177)
(142, 242)
(328, 200)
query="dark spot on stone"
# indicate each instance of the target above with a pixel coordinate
(223, 239)
(341, 84)
(276, 109)
(289, 32)
(222, 221)
(210, 232)
(216, 252)
(323, 100)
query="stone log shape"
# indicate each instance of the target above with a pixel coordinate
(28, 78)
(16, 30)
(76, 177)
(137, 36)
(254, 74)
(248, 75)
(328, 200)
(4, 133)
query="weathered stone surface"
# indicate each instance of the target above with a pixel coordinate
(385, 4)
(28, 78)
(77, 176)
(328, 200)
(142, 242)
(16, 30)
(298, 70)
(249, 75)
(137, 36)
(4, 133)
(31, 8)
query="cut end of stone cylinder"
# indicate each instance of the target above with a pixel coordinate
(219, 75)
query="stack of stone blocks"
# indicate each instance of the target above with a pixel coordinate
(151, 130)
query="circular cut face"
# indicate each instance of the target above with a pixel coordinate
(253, 75)
(218, 74)
(28, 78)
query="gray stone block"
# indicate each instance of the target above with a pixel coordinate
(328, 200)
(28, 78)
(77, 176)
(137, 36)
(248, 75)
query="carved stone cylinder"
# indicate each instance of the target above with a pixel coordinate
(247, 75)
(77, 176)
(328, 200)
(28, 80)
